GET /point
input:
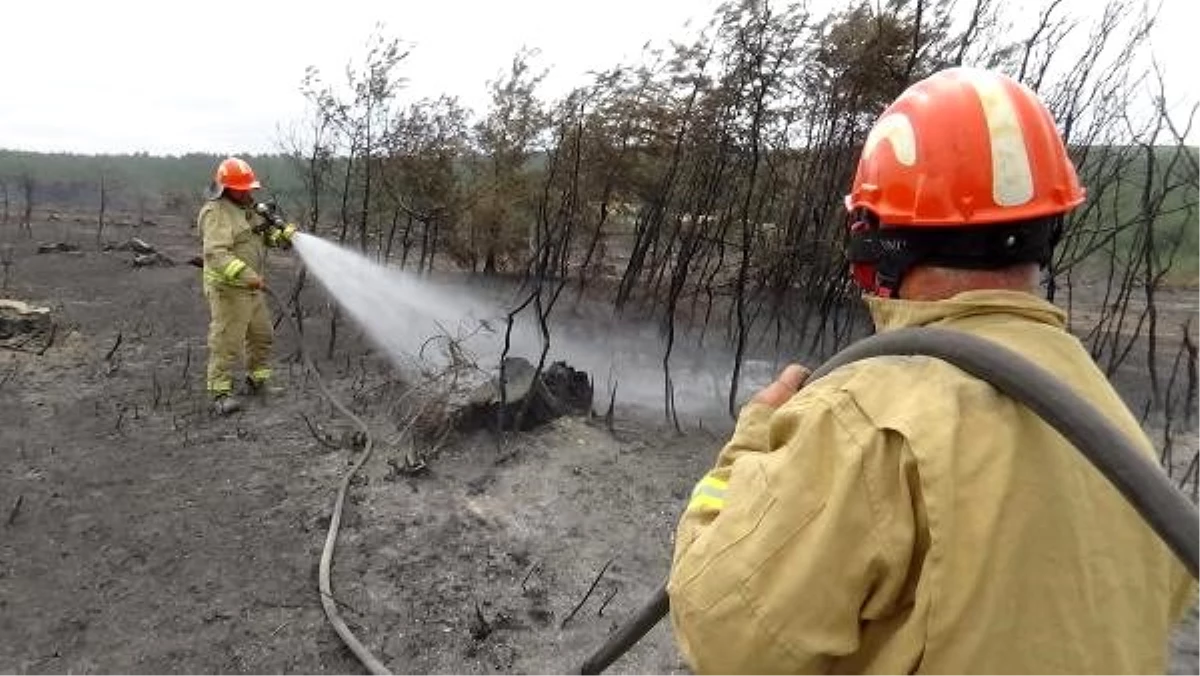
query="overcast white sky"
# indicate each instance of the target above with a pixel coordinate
(172, 77)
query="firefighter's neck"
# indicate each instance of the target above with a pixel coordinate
(927, 282)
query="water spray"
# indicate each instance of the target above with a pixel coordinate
(399, 310)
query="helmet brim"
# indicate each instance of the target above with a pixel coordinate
(252, 185)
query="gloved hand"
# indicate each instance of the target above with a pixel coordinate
(281, 237)
(256, 283)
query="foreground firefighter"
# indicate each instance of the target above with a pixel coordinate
(236, 236)
(898, 515)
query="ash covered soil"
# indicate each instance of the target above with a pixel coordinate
(138, 533)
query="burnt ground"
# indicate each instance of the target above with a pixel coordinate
(140, 534)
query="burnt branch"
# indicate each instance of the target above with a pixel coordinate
(16, 509)
(321, 438)
(588, 594)
(112, 351)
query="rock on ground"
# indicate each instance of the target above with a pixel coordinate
(21, 322)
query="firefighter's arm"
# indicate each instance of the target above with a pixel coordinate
(810, 536)
(218, 251)
(708, 495)
(749, 437)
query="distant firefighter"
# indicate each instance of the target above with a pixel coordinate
(237, 232)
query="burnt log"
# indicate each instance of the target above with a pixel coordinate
(57, 247)
(134, 244)
(525, 402)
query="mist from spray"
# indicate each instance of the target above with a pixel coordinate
(401, 311)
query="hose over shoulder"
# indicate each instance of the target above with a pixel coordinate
(1172, 516)
(1136, 476)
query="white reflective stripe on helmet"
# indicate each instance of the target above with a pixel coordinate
(1012, 177)
(897, 130)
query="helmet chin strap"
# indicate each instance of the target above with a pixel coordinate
(891, 252)
(881, 260)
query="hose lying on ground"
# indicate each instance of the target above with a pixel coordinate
(328, 602)
(1172, 516)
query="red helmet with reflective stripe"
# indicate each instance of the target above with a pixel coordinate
(963, 149)
(236, 174)
(964, 146)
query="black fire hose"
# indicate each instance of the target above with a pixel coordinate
(324, 587)
(1135, 475)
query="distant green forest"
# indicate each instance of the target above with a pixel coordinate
(156, 183)
(73, 181)
(175, 184)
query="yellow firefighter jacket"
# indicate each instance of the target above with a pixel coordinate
(233, 252)
(901, 516)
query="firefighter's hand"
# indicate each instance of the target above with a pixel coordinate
(256, 283)
(786, 384)
(281, 237)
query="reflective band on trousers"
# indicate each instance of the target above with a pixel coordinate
(260, 375)
(709, 493)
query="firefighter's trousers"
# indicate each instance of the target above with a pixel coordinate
(240, 325)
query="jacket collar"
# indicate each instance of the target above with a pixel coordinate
(890, 314)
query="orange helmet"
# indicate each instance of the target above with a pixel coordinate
(234, 173)
(963, 151)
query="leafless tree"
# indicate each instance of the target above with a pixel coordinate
(424, 189)
(735, 151)
(358, 119)
(6, 262)
(27, 184)
(104, 187)
(500, 223)
(701, 185)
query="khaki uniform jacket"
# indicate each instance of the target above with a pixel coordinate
(901, 516)
(233, 252)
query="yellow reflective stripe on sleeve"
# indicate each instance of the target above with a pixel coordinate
(712, 483)
(234, 269)
(705, 502)
(709, 493)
